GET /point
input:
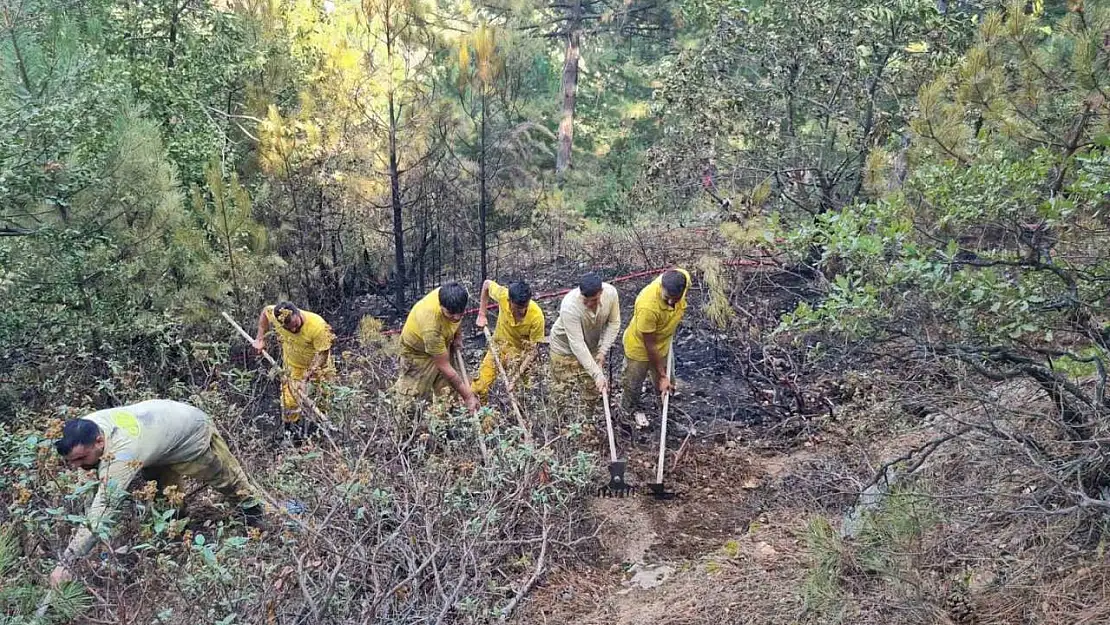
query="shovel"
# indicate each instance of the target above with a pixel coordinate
(658, 488)
(617, 486)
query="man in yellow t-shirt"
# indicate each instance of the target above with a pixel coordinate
(429, 340)
(647, 340)
(519, 329)
(305, 352)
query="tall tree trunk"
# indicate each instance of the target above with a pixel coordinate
(400, 278)
(570, 89)
(175, 17)
(483, 193)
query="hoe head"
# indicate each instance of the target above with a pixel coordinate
(659, 491)
(617, 486)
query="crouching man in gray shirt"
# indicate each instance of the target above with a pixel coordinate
(165, 441)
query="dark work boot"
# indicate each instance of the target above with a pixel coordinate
(255, 516)
(294, 432)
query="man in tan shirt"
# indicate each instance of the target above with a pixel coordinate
(165, 441)
(588, 324)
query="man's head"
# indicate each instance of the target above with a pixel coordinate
(590, 288)
(82, 444)
(519, 296)
(289, 316)
(674, 285)
(452, 300)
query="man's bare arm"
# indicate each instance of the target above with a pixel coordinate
(263, 328)
(483, 302)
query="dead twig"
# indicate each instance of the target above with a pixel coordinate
(508, 609)
(681, 451)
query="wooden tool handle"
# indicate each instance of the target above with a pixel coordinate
(663, 424)
(512, 400)
(609, 425)
(461, 364)
(250, 339)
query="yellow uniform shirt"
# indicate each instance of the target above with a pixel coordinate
(652, 315)
(300, 347)
(427, 330)
(509, 331)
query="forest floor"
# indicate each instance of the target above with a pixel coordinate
(775, 448)
(768, 449)
(733, 536)
(731, 539)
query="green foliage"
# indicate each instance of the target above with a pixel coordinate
(104, 108)
(800, 92)
(821, 589)
(237, 240)
(885, 547)
(995, 240)
(22, 594)
(436, 511)
(890, 535)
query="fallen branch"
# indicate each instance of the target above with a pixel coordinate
(872, 495)
(681, 451)
(508, 610)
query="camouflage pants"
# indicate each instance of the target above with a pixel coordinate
(632, 383)
(418, 377)
(569, 377)
(316, 390)
(216, 467)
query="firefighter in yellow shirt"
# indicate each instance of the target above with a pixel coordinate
(519, 329)
(305, 353)
(647, 340)
(429, 340)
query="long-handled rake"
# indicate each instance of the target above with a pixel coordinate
(658, 488)
(508, 389)
(617, 486)
(461, 364)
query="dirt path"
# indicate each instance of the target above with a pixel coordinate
(705, 558)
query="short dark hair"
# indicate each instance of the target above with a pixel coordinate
(590, 284)
(283, 306)
(674, 282)
(76, 432)
(520, 293)
(453, 297)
